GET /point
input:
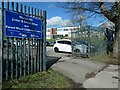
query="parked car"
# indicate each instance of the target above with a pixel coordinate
(50, 43)
(66, 45)
(47, 43)
(62, 45)
(84, 45)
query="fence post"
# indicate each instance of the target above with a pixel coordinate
(16, 49)
(44, 41)
(41, 47)
(89, 43)
(1, 41)
(28, 47)
(21, 11)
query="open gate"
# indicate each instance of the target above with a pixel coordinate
(24, 52)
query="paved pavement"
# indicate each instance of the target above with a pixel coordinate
(108, 78)
(90, 73)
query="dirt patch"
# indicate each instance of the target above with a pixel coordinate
(114, 61)
(90, 75)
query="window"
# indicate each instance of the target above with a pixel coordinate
(66, 35)
(48, 30)
(62, 42)
(65, 29)
(59, 30)
(67, 42)
(48, 35)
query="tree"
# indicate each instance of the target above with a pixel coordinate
(110, 10)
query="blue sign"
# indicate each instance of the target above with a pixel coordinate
(22, 26)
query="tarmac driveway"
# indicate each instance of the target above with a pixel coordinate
(88, 73)
(77, 69)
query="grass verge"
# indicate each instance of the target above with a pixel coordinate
(108, 59)
(102, 58)
(49, 79)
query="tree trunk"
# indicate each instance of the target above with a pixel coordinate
(119, 43)
(116, 51)
(116, 47)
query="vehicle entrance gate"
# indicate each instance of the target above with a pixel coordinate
(22, 40)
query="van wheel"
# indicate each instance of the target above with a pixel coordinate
(56, 50)
(77, 50)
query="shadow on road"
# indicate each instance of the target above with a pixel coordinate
(51, 60)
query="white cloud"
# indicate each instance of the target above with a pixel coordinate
(58, 21)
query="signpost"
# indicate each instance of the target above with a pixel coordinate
(22, 26)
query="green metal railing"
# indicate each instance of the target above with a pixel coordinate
(22, 56)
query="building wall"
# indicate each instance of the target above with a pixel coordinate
(53, 32)
(64, 31)
(50, 32)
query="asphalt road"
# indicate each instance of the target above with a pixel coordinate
(74, 67)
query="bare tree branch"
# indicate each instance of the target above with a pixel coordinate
(106, 13)
(87, 9)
